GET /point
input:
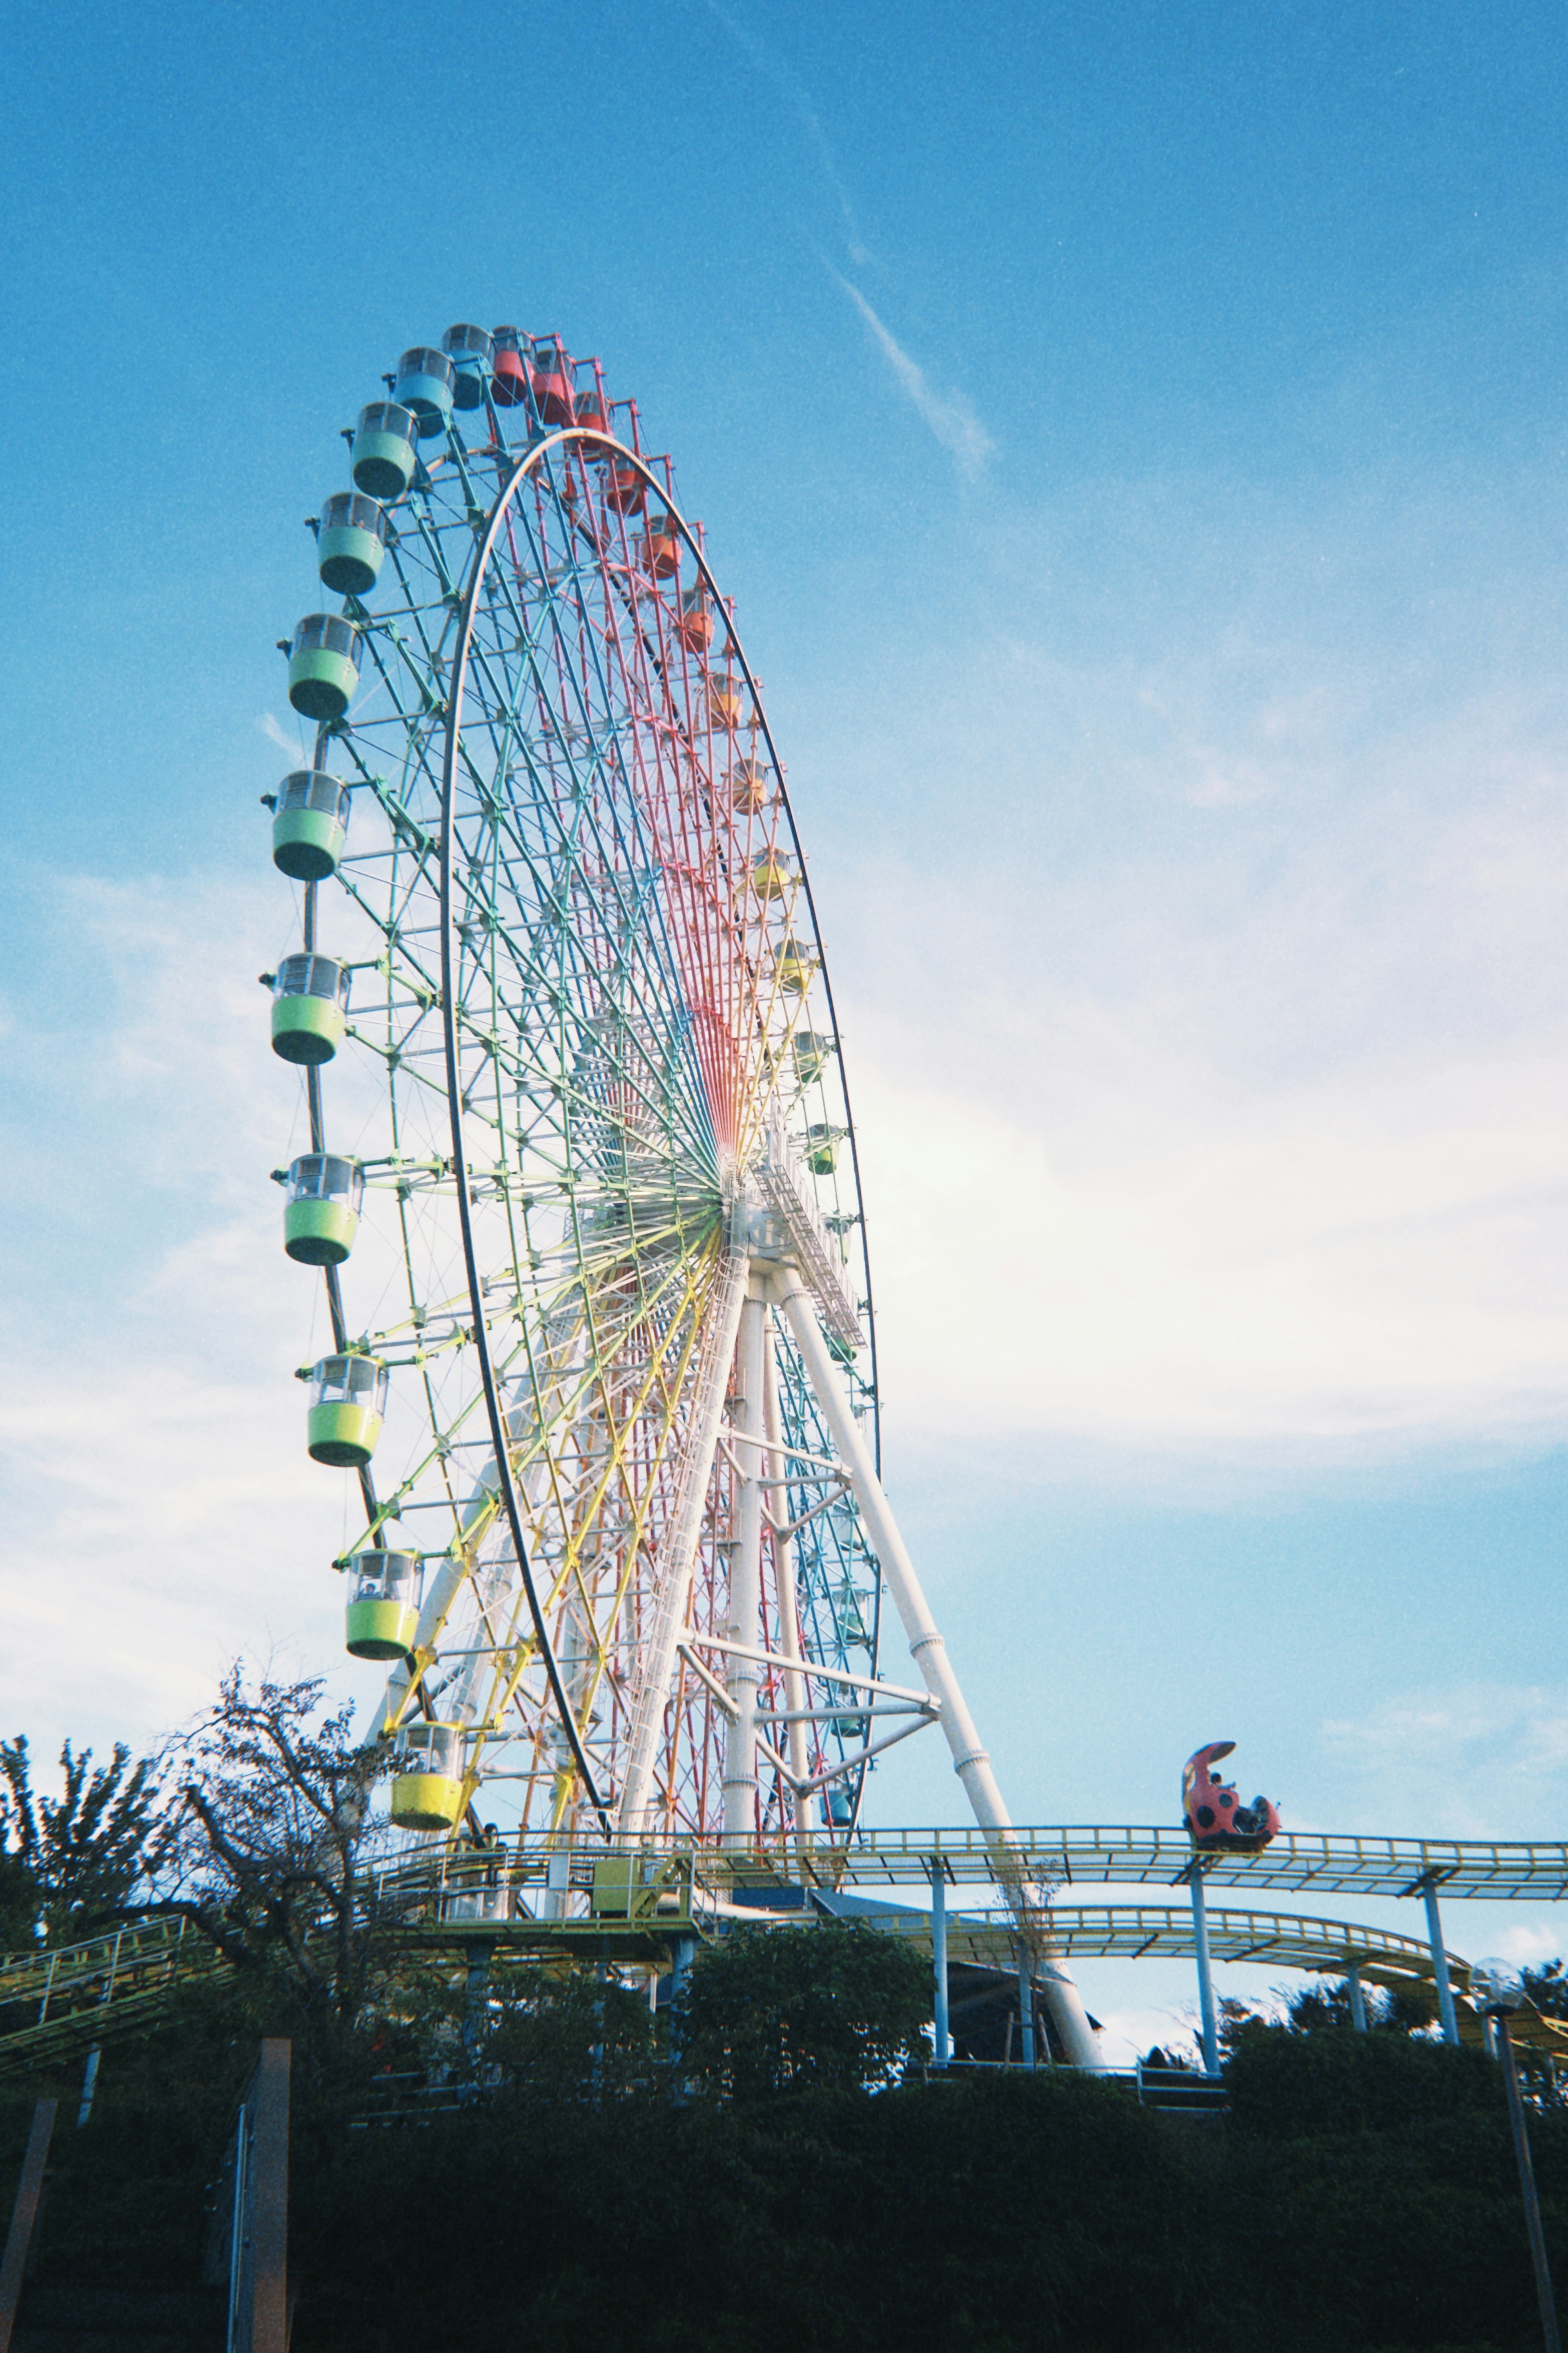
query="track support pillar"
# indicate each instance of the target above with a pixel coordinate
(1206, 2010)
(942, 2047)
(1446, 2010)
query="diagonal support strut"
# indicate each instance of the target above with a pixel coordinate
(971, 1762)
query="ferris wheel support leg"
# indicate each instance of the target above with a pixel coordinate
(971, 1762)
(796, 1700)
(718, 1350)
(745, 1619)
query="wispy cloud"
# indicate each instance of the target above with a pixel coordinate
(1469, 1760)
(277, 734)
(773, 69)
(191, 1525)
(949, 415)
(1235, 1154)
(1517, 1729)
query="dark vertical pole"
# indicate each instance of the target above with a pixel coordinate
(23, 2219)
(1026, 2006)
(475, 1994)
(270, 2209)
(679, 1977)
(940, 2039)
(89, 2086)
(1543, 2294)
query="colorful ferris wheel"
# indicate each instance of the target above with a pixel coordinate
(581, 1179)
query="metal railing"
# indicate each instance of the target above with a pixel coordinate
(1330, 1863)
(56, 1997)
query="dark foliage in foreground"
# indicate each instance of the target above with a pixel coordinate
(70, 1863)
(272, 1849)
(1362, 2197)
(832, 2008)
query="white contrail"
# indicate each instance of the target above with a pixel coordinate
(949, 416)
(278, 735)
(785, 83)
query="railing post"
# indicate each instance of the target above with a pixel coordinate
(940, 2043)
(23, 2219)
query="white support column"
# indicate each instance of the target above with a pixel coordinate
(941, 2040)
(745, 1619)
(971, 1762)
(1446, 2010)
(1206, 2010)
(718, 1349)
(798, 1749)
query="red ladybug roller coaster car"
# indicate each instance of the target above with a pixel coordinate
(1214, 1815)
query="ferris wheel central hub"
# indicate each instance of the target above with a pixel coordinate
(784, 1226)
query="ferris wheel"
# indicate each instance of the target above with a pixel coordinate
(581, 1176)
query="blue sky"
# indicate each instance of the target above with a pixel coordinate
(1134, 439)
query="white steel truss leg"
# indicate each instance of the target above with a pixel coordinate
(971, 1762)
(806, 1807)
(680, 1552)
(745, 1621)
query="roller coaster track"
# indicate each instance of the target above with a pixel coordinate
(61, 1999)
(1326, 1863)
(1330, 1863)
(54, 2001)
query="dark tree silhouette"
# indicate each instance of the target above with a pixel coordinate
(70, 1863)
(274, 1850)
(1548, 1988)
(1324, 2004)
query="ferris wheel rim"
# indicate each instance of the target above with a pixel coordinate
(459, 695)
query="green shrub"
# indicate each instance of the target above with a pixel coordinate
(830, 2006)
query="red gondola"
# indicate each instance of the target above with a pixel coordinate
(695, 626)
(508, 382)
(1214, 1815)
(663, 547)
(551, 385)
(628, 493)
